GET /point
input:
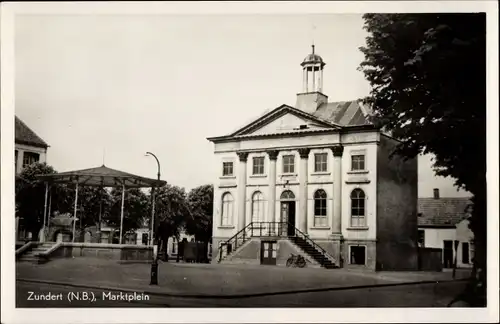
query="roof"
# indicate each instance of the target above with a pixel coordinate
(442, 212)
(333, 116)
(102, 176)
(344, 113)
(313, 58)
(24, 135)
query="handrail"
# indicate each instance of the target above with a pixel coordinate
(308, 240)
(24, 248)
(227, 242)
(265, 229)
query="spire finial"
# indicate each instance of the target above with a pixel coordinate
(103, 155)
(313, 47)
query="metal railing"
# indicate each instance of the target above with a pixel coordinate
(264, 229)
(305, 237)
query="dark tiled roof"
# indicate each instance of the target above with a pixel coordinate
(24, 135)
(344, 113)
(442, 211)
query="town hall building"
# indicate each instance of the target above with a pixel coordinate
(315, 179)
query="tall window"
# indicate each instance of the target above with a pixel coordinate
(358, 208)
(227, 209)
(320, 162)
(258, 165)
(357, 162)
(257, 207)
(320, 208)
(465, 252)
(30, 158)
(227, 168)
(15, 160)
(288, 163)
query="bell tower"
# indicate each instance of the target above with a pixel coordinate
(312, 95)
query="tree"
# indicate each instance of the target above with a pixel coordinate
(200, 202)
(93, 201)
(30, 196)
(135, 210)
(428, 78)
(172, 213)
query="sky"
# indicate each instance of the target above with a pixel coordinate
(108, 88)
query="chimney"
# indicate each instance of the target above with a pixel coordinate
(436, 193)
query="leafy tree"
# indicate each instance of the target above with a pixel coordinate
(93, 201)
(172, 212)
(135, 210)
(428, 77)
(200, 202)
(30, 196)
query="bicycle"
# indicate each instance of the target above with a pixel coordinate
(296, 261)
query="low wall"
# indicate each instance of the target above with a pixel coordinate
(119, 252)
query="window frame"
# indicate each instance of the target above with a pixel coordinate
(227, 163)
(320, 199)
(30, 158)
(358, 163)
(260, 207)
(320, 164)
(291, 166)
(258, 166)
(227, 213)
(360, 218)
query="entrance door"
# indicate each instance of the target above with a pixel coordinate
(268, 252)
(288, 217)
(447, 254)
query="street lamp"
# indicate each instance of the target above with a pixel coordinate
(154, 240)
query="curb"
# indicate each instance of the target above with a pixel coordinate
(205, 296)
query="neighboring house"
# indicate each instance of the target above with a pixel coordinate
(443, 223)
(29, 147)
(321, 171)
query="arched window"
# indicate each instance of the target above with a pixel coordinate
(287, 195)
(320, 218)
(258, 207)
(227, 209)
(358, 208)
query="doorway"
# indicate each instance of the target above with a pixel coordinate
(288, 217)
(447, 254)
(268, 252)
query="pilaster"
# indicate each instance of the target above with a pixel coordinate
(273, 156)
(303, 176)
(242, 184)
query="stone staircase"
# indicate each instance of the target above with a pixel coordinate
(30, 256)
(318, 256)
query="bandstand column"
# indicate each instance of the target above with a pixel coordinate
(303, 176)
(242, 189)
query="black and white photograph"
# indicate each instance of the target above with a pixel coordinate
(249, 161)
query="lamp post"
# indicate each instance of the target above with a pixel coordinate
(154, 240)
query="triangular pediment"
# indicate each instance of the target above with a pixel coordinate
(284, 119)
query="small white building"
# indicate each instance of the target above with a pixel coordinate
(443, 223)
(29, 147)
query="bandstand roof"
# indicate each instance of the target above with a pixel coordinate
(102, 177)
